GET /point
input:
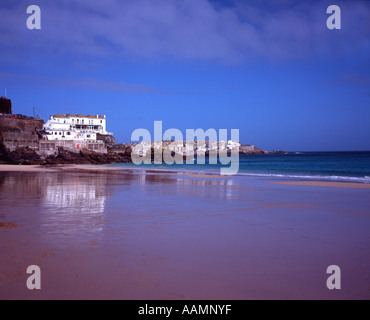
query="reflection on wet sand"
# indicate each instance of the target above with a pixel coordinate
(75, 201)
(20, 184)
(67, 202)
(153, 235)
(213, 188)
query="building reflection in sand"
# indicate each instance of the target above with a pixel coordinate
(67, 204)
(75, 200)
(75, 204)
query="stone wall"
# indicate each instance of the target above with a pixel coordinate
(50, 147)
(19, 131)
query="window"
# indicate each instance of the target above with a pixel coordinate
(68, 133)
(88, 136)
(55, 133)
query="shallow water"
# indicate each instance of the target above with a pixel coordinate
(114, 235)
(330, 166)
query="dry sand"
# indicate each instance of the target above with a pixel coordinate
(22, 168)
(53, 168)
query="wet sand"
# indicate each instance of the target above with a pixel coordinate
(99, 168)
(112, 234)
(195, 175)
(325, 184)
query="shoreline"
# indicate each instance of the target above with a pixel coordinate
(185, 173)
(100, 168)
(332, 184)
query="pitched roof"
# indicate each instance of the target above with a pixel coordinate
(69, 115)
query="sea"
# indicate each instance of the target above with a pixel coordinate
(349, 166)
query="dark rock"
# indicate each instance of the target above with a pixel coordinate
(8, 225)
(28, 156)
(109, 140)
(22, 156)
(87, 157)
(254, 151)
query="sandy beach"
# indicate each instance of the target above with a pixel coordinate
(24, 168)
(53, 168)
(112, 234)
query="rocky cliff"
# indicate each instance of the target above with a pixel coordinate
(18, 131)
(27, 156)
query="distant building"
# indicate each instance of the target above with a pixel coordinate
(75, 127)
(5, 105)
(233, 144)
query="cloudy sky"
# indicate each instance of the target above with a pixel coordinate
(270, 68)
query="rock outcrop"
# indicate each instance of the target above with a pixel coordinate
(24, 156)
(118, 154)
(28, 156)
(109, 140)
(255, 150)
(87, 157)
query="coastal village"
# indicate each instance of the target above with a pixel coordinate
(77, 138)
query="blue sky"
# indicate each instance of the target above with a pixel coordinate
(271, 69)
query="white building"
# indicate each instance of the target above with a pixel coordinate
(75, 127)
(233, 144)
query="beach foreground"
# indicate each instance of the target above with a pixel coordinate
(120, 234)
